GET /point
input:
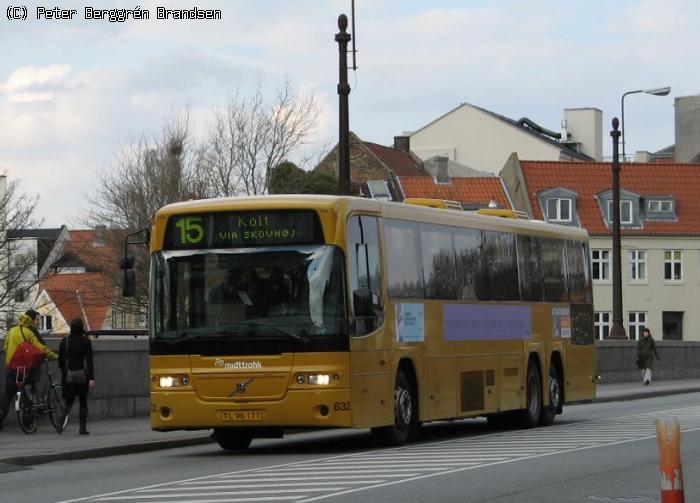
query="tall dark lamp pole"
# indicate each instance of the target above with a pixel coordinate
(617, 331)
(343, 37)
(657, 91)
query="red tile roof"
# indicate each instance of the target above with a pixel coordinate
(590, 178)
(398, 161)
(86, 295)
(96, 254)
(476, 190)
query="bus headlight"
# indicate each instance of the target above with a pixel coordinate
(319, 379)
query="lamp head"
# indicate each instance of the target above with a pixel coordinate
(658, 91)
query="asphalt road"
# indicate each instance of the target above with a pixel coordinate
(604, 452)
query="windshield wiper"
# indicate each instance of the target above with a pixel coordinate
(279, 331)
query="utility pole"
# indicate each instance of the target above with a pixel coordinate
(343, 37)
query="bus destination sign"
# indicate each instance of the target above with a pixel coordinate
(243, 229)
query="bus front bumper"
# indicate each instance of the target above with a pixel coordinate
(298, 409)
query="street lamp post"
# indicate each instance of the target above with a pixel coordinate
(657, 91)
(617, 331)
(343, 37)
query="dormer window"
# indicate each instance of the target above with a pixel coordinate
(659, 206)
(558, 209)
(558, 205)
(625, 212)
(631, 205)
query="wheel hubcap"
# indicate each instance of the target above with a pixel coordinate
(403, 405)
(554, 393)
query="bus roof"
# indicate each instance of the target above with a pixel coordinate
(350, 204)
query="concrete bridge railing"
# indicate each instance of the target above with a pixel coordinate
(122, 375)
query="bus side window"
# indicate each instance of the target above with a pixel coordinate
(365, 274)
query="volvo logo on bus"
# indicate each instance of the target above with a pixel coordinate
(219, 362)
(241, 387)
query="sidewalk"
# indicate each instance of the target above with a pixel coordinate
(131, 435)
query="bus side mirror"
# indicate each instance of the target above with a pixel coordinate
(126, 264)
(362, 302)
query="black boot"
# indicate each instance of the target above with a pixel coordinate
(83, 421)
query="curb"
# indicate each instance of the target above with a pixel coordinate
(636, 395)
(101, 452)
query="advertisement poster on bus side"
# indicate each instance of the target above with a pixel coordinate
(410, 322)
(561, 321)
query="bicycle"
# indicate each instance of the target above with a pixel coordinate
(33, 401)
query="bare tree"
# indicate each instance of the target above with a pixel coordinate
(146, 176)
(18, 265)
(250, 137)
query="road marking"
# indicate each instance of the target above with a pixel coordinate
(344, 474)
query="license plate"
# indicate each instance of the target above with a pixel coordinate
(240, 416)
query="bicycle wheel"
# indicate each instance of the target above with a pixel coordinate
(56, 408)
(26, 415)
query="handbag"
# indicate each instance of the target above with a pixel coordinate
(26, 355)
(74, 376)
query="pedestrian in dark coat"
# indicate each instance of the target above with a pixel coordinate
(646, 351)
(75, 353)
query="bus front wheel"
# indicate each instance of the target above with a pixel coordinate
(405, 414)
(232, 440)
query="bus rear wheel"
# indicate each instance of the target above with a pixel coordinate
(232, 440)
(556, 397)
(530, 416)
(406, 422)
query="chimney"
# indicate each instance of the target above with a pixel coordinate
(403, 143)
(585, 127)
(687, 122)
(443, 176)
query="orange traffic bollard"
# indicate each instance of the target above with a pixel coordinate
(668, 435)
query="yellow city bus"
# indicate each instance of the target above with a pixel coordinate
(280, 312)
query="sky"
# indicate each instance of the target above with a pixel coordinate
(74, 92)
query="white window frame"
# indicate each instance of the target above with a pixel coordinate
(636, 322)
(623, 202)
(604, 263)
(558, 202)
(673, 258)
(657, 206)
(637, 266)
(603, 324)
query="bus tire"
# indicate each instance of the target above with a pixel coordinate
(232, 440)
(555, 391)
(406, 423)
(530, 415)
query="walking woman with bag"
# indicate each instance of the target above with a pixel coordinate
(75, 360)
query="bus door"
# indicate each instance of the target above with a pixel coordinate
(372, 382)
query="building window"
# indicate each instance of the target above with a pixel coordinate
(602, 324)
(601, 264)
(636, 321)
(20, 294)
(637, 265)
(625, 212)
(558, 210)
(673, 265)
(657, 206)
(46, 323)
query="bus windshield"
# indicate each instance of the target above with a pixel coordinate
(266, 295)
